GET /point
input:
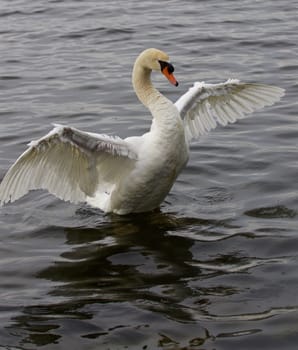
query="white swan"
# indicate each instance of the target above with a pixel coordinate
(133, 174)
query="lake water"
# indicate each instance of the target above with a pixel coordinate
(216, 268)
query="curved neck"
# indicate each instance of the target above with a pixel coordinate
(142, 85)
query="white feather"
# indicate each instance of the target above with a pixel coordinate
(69, 163)
(205, 106)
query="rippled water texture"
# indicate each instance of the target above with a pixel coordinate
(216, 268)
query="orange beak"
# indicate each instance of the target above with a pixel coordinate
(169, 76)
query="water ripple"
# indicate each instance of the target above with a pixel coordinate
(276, 212)
(240, 265)
(250, 316)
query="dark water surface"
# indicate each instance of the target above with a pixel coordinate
(217, 267)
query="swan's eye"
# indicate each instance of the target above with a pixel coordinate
(170, 68)
(167, 65)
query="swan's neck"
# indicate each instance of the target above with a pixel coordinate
(146, 92)
(165, 115)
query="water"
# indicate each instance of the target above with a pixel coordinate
(216, 268)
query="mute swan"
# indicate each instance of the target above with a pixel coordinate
(133, 174)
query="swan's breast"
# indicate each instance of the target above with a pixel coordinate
(162, 156)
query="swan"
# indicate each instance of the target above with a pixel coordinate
(134, 174)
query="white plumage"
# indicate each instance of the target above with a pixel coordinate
(134, 174)
(205, 106)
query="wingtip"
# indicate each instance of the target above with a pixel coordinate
(279, 93)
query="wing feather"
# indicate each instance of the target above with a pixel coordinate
(69, 164)
(205, 106)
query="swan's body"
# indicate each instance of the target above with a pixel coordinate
(134, 174)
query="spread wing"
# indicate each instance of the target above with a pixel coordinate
(205, 106)
(69, 163)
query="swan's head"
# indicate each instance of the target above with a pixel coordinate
(158, 60)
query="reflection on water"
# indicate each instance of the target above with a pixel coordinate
(123, 266)
(132, 280)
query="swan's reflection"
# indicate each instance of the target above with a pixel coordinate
(126, 271)
(131, 280)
